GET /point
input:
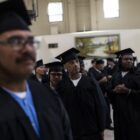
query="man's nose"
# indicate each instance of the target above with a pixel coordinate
(28, 47)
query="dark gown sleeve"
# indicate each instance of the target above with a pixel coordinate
(133, 84)
(64, 116)
(100, 101)
(100, 104)
(136, 90)
(66, 122)
(110, 92)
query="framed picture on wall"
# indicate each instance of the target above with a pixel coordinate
(98, 46)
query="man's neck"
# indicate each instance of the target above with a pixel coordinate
(74, 76)
(39, 75)
(14, 86)
(125, 70)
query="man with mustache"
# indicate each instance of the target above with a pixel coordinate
(28, 110)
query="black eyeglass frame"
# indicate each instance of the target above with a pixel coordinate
(56, 74)
(17, 42)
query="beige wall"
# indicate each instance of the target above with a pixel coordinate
(129, 16)
(81, 15)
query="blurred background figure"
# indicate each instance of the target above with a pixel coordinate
(138, 66)
(110, 68)
(98, 72)
(40, 73)
(82, 65)
(100, 75)
(93, 62)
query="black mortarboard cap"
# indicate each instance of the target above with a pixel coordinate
(93, 61)
(13, 16)
(124, 52)
(55, 66)
(100, 61)
(110, 59)
(39, 63)
(68, 55)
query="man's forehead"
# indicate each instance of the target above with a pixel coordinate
(16, 33)
(127, 55)
(72, 60)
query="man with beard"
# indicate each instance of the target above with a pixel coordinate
(124, 92)
(83, 101)
(28, 111)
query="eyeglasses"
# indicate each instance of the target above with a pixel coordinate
(56, 74)
(18, 42)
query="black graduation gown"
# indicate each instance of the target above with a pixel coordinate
(110, 71)
(33, 77)
(98, 76)
(85, 106)
(15, 125)
(126, 107)
(93, 73)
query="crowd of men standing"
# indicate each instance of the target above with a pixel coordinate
(67, 103)
(112, 83)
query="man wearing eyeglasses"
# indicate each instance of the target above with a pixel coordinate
(55, 74)
(28, 110)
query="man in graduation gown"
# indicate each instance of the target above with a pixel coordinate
(40, 73)
(110, 68)
(98, 73)
(27, 109)
(124, 93)
(55, 74)
(83, 101)
(82, 65)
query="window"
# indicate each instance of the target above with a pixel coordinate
(111, 8)
(55, 11)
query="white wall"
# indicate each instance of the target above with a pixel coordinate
(128, 38)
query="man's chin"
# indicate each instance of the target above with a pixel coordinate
(21, 77)
(25, 72)
(127, 69)
(27, 68)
